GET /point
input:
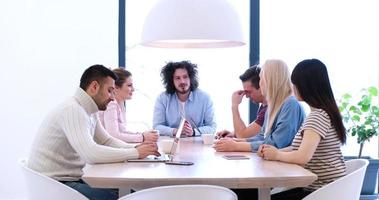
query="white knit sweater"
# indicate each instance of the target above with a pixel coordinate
(72, 136)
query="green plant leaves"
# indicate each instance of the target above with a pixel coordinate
(346, 96)
(356, 118)
(373, 91)
(362, 117)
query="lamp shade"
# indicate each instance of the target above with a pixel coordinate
(192, 24)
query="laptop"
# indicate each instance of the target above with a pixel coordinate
(164, 157)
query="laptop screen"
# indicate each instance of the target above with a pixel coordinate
(177, 136)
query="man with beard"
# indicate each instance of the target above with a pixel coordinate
(72, 136)
(182, 98)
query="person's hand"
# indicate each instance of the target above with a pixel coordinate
(237, 97)
(187, 130)
(269, 152)
(225, 144)
(174, 130)
(150, 136)
(259, 152)
(240, 139)
(224, 133)
(147, 148)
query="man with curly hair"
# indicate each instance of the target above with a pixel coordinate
(182, 98)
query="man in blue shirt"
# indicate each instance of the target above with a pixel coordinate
(182, 98)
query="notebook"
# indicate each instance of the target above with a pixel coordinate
(164, 157)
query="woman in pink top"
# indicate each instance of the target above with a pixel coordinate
(113, 118)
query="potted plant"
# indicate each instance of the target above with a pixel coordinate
(362, 121)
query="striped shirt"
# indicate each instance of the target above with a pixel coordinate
(327, 161)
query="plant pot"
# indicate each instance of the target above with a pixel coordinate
(371, 174)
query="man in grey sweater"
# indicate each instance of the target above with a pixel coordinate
(71, 136)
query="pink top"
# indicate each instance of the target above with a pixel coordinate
(113, 120)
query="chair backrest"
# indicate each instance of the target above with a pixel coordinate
(183, 192)
(43, 187)
(347, 187)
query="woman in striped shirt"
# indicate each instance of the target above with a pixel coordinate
(316, 146)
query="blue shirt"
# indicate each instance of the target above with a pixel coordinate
(286, 123)
(198, 108)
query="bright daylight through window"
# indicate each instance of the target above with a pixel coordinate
(343, 34)
(218, 68)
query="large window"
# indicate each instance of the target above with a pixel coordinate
(342, 34)
(218, 69)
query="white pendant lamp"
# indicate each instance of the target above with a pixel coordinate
(192, 24)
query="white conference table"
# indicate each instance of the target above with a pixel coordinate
(209, 168)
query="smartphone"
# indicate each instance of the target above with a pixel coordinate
(236, 157)
(179, 163)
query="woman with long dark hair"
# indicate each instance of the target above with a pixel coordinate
(316, 145)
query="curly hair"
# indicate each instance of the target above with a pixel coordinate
(167, 74)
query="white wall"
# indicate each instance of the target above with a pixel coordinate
(342, 34)
(44, 47)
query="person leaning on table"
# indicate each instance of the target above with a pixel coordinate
(71, 136)
(322, 130)
(283, 117)
(251, 89)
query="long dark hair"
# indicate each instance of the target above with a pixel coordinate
(168, 71)
(312, 83)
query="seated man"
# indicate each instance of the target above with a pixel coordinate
(182, 98)
(250, 83)
(72, 136)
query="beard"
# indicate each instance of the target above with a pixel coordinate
(101, 105)
(183, 89)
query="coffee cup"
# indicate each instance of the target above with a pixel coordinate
(166, 145)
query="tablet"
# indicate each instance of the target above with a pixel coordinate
(179, 163)
(236, 157)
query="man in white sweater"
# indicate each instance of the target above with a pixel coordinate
(72, 136)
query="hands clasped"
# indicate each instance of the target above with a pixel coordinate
(187, 130)
(150, 136)
(267, 152)
(224, 133)
(225, 144)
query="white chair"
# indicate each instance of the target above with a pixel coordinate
(42, 187)
(183, 192)
(347, 187)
